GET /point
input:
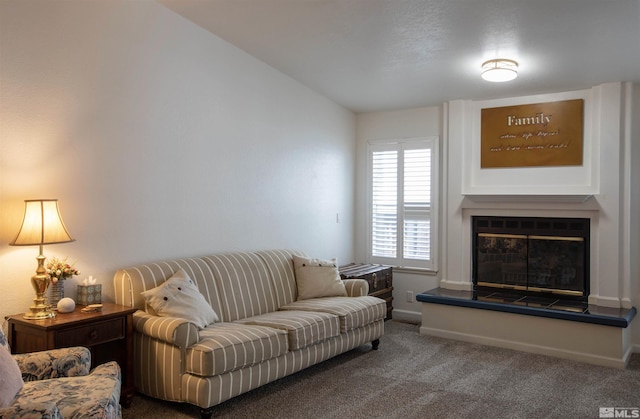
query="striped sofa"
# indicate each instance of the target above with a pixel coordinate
(264, 333)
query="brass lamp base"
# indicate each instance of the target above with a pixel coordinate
(39, 313)
(40, 281)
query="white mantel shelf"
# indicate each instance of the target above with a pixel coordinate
(566, 199)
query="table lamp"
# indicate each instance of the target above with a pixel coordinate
(42, 224)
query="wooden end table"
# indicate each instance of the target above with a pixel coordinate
(107, 333)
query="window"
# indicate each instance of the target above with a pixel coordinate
(402, 213)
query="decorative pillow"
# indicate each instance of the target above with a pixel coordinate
(318, 278)
(10, 379)
(178, 296)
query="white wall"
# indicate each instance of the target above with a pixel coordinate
(410, 123)
(159, 140)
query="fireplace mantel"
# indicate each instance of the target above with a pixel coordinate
(511, 198)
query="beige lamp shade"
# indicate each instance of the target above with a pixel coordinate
(42, 224)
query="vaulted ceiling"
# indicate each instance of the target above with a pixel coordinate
(371, 55)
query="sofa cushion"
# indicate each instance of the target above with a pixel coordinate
(304, 328)
(227, 347)
(178, 296)
(130, 283)
(243, 283)
(353, 312)
(317, 278)
(280, 266)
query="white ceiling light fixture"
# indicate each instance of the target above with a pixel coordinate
(499, 70)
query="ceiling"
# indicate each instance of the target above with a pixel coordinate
(374, 55)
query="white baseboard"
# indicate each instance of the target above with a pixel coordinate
(407, 316)
(605, 361)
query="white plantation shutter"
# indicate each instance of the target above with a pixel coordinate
(417, 204)
(384, 224)
(401, 202)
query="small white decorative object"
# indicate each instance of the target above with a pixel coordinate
(66, 305)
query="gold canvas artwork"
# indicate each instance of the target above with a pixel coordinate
(540, 134)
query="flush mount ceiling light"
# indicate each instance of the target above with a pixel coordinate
(499, 70)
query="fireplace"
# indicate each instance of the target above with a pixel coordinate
(527, 287)
(534, 256)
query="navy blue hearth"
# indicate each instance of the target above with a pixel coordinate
(530, 306)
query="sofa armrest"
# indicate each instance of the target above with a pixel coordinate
(55, 363)
(173, 330)
(356, 287)
(108, 369)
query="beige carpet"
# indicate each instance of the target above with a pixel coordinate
(414, 376)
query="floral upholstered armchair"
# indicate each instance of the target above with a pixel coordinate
(57, 384)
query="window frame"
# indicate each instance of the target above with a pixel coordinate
(400, 145)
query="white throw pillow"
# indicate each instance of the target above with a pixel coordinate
(318, 278)
(10, 379)
(178, 296)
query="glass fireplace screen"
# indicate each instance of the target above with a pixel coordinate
(531, 262)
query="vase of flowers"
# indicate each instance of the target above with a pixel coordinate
(58, 271)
